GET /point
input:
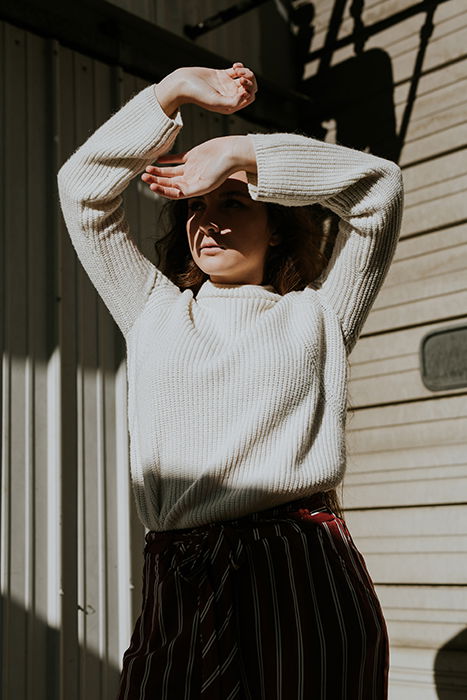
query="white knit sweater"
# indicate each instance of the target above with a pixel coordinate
(236, 398)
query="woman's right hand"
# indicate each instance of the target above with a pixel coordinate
(224, 91)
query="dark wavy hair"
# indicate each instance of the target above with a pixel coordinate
(300, 257)
(306, 235)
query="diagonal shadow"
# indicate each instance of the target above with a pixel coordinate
(357, 94)
(450, 668)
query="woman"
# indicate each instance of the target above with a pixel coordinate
(252, 586)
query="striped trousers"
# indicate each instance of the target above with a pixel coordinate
(275, 605)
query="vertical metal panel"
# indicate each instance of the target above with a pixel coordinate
(4, 387)
(40, 309)
(68, 455)
(16, 371)
(111, 363)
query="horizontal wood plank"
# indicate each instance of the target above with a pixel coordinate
(377, 12)
(436, 177)
(422, 458)
(421, 545)
(386, 368)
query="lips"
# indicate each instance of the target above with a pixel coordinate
(211, 245)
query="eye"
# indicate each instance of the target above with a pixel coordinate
(233, 202)
(194, 205)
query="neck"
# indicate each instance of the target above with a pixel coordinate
(233, 284)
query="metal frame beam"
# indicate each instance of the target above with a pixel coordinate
(103, 31)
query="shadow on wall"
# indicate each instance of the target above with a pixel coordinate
(31, 666)
(450, 668)
(356, 94)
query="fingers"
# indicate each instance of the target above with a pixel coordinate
(239, 71)
(247, 83)
(159, 181)
(169, 192)
(164, 172)
(166, 188)
(172, 158)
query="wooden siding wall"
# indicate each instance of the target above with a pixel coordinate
(405, 491)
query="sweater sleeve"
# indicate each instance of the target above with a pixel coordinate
(90, 185)
(365, 191)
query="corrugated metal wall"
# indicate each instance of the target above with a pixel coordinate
(71, 544)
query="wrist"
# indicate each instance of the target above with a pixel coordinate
(243, 154)
(169, 93)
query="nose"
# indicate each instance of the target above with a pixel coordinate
(209, 227)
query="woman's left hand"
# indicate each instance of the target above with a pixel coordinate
(224, 91)
(201, 169)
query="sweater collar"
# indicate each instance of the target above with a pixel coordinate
(236, 291)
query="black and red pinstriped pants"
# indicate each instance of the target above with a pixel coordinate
(275, 605)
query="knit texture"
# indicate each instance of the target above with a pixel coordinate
(237, 397)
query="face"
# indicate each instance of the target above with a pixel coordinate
(229, 218)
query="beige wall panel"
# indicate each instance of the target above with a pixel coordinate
(423, 621)
(426, 282)
(430, 82)
(405, 454)
(422, 177)
(435, 134)
(374, 10)
(424, 616)
(386, 368)
(402, 36)
(422, 458)
(426, 309)
(413, 292)
(424, 257)
(404, 486)
(445, 98)
(418, 424)
(413, 545)
(437, 123)
(423, 674)
(431, 215)
(445, 45)
(454, 406)
(439, 141)
(409, 248)
(452, 184)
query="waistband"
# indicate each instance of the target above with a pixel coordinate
(313, 503)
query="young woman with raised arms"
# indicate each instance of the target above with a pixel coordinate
(237, 354)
